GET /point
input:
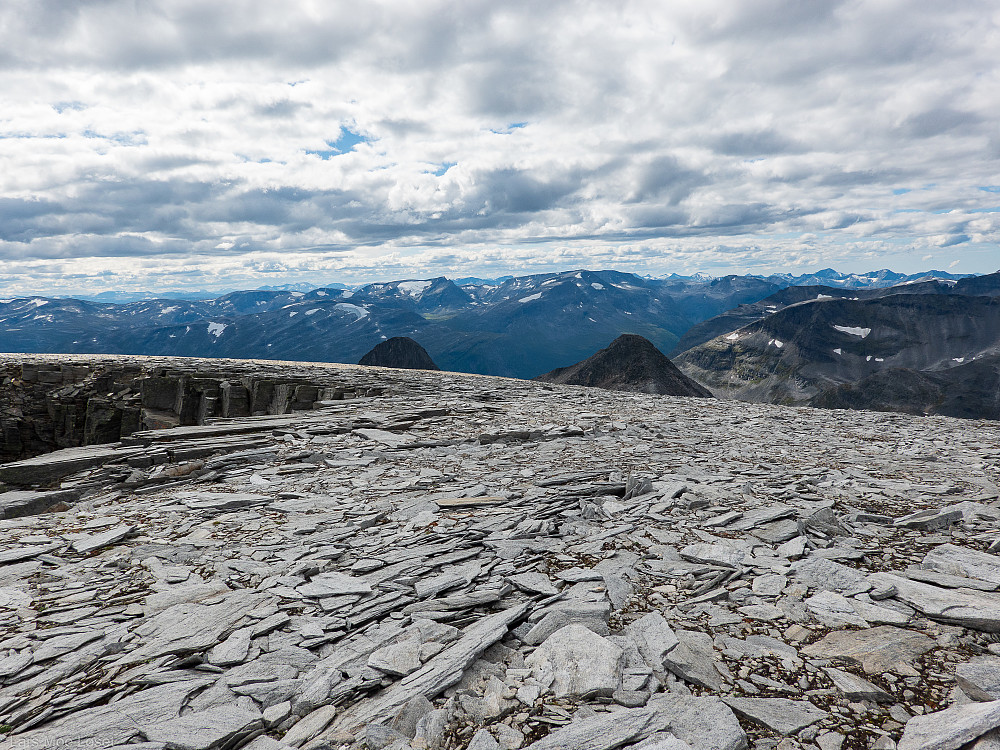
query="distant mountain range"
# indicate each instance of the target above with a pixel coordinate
(520, 327)
(779, 338)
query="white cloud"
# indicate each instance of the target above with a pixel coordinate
(185, 143)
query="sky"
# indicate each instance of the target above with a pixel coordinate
(184, 144)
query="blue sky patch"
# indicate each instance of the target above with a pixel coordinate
(345, 143)
(444, 167)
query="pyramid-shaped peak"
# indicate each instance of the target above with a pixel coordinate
(629, 363)
(400, 352)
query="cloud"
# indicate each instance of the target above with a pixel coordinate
(187, 140)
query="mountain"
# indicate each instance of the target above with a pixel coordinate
(630, 363)
(745, 314)
(870, 280)
(518, 327)
(400, 352)
(897, 351)
(970, 390)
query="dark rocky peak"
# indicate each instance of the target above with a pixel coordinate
(630, 363)
(401, 352)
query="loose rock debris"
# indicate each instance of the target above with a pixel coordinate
(473, 562)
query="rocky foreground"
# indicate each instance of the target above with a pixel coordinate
(472, 562)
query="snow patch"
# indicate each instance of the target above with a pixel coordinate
(854, 330)
(597, 286)
(313, 311)
(732, 337)
(779, 344)
(320, 294)
(960, 360)
(879, 359)
(215, 329)
(168, 310)
(413, 288)
(824, 296)
(298, 294)
(838, 351)
(39, 302)
(346, 307)
(293, 313)
(531, 298)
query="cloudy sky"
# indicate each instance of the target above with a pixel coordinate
(164, 144)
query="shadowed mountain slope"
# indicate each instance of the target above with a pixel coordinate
(630, 363)
(401, 352)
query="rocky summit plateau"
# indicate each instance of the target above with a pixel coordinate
(293, 555)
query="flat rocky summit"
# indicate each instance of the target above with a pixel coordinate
(629, 363)
(473, 562)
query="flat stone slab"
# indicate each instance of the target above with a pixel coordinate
(855, 688)
(980, 678)
(875, 650)
(21, 503)
(334, 584)
(951, 728)
(58, 464)
(961, 561)
(91, 542)
(970, 609)
(827, 575)
(211, 728)
(777, 714)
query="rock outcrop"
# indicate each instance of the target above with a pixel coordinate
(455, 562)
(629, 363)
(400, 352)
(52, 402)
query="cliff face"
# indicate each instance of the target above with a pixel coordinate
(47, 404)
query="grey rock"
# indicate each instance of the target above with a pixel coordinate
(780, 715)
(205, 729)
(855, 688)
(309, 726)
(534, 583)
(397, 659)
(114, 724)
(483, 740)
(654, 639)
(593, 616)
(827, 575)
(186, 628)
(951, 728)
(441, 672)
(575, 661)
(704, 723)
(87, 544)
(231, 651)
(334, 584)
(603, 732)
(930, 519)
(953, 560)
(410, 715)
(693, 660)
(976, 610)
(980, 678)
(876, 650)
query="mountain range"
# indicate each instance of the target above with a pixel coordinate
(779, 338)
(927, 348)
